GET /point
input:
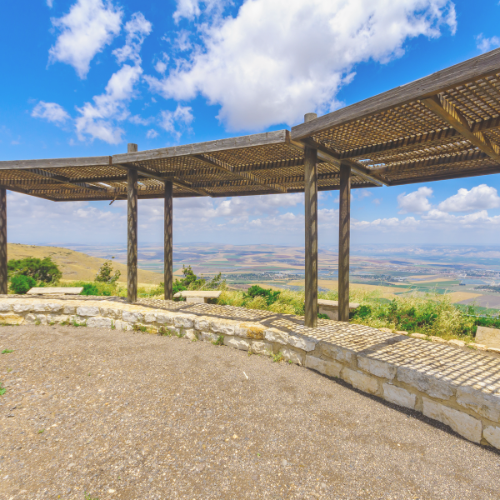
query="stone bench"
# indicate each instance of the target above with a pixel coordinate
(331, 308)
(197, 296)
(46, 290)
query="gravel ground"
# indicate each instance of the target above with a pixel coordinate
(123, 415)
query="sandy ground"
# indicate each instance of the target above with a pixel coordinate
(123, 415)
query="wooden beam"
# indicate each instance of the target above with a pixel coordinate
(446, 176)
(451, 115)
(436, 161)
(132, 236)
(91, 161)
(17, 189)
(66, 180)
(267, 138)
(168, 259)
(4, 280)
(344, 240)
(242, 175)
(311, 233)
(460, 74)
(153, 175)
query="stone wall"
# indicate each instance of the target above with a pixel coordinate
(457, 388)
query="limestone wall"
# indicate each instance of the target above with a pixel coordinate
(459, 389)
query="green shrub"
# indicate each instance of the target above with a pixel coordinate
(20, 284)
(269, 295)
(104, 275)
(42, 270)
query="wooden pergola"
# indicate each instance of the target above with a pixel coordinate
(444, 126)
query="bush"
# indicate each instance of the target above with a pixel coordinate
(21, 284)
(42, 270)
(257, 291)
(104, 274)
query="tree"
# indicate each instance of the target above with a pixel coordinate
(41, 270)
(104, 274)
(20, 284)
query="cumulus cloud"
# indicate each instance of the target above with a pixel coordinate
(170, 120)
(486, 44)
(51, 112)
(152, 134)
(482, 197)
(89, 26)
(416, 202)
(99, 120)
(278, 59)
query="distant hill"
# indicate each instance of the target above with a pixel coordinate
(76, 265)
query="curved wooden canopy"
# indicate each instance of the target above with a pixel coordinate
(443, 126)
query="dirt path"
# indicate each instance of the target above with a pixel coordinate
(124, 415)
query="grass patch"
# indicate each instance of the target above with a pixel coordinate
(7, 351)
(164, 332)
(75, 323)
(3, 390)
(140, 328)
(277, 358)
(219, 341)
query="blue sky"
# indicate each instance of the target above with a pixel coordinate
(84, 77)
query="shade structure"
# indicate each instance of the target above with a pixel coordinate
(440, 127)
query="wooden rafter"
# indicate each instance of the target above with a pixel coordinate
(451, 115)
(65, 180)
(210, 160)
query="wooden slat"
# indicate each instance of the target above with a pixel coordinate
(209, 160)
(445, 110)
(65, 180)
(91, 161)
(473, 69)
(276, 137)
(445, 176)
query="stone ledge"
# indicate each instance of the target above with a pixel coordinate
(457, 387)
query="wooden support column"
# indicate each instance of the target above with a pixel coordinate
(4, 285)
(132, 230)
(311, 231)
(344, 240)
(168, 236)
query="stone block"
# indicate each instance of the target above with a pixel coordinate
(222, 327)
(486, 405)
(295, 357)
(11, 319)
(57, 318)
(360, 381)
(259, 347)
(150, 317)
(417, 335)
(132, 317)
(184, 321)
(21, 308)
(399, 396)
(6, 307)
(202, 324)
(208, 336)
(376, 367)
(110, 312)
(164, 319)
(302, 343)
(479, 347)
(330, 368)
(99, 322)
(492, 435)
(30, 318)
(428, 383)
(122, 325)
(457, 343)
(250, 330)
(438, 340)
(237, 343)
(87, 311)
(336, 352)
(489, 337)
(190, 334)
(68, 309)
(275, 335)
(469, 427)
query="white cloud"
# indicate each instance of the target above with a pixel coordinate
(138, 28)
(278, 59)
(89, 26)
(188, 9)
(182, 116)
(98, 120)
(50, 3)
(152, 134)
(482, 197)
(486, 44)
(162, 64)
(415, 202)
(50, 111)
